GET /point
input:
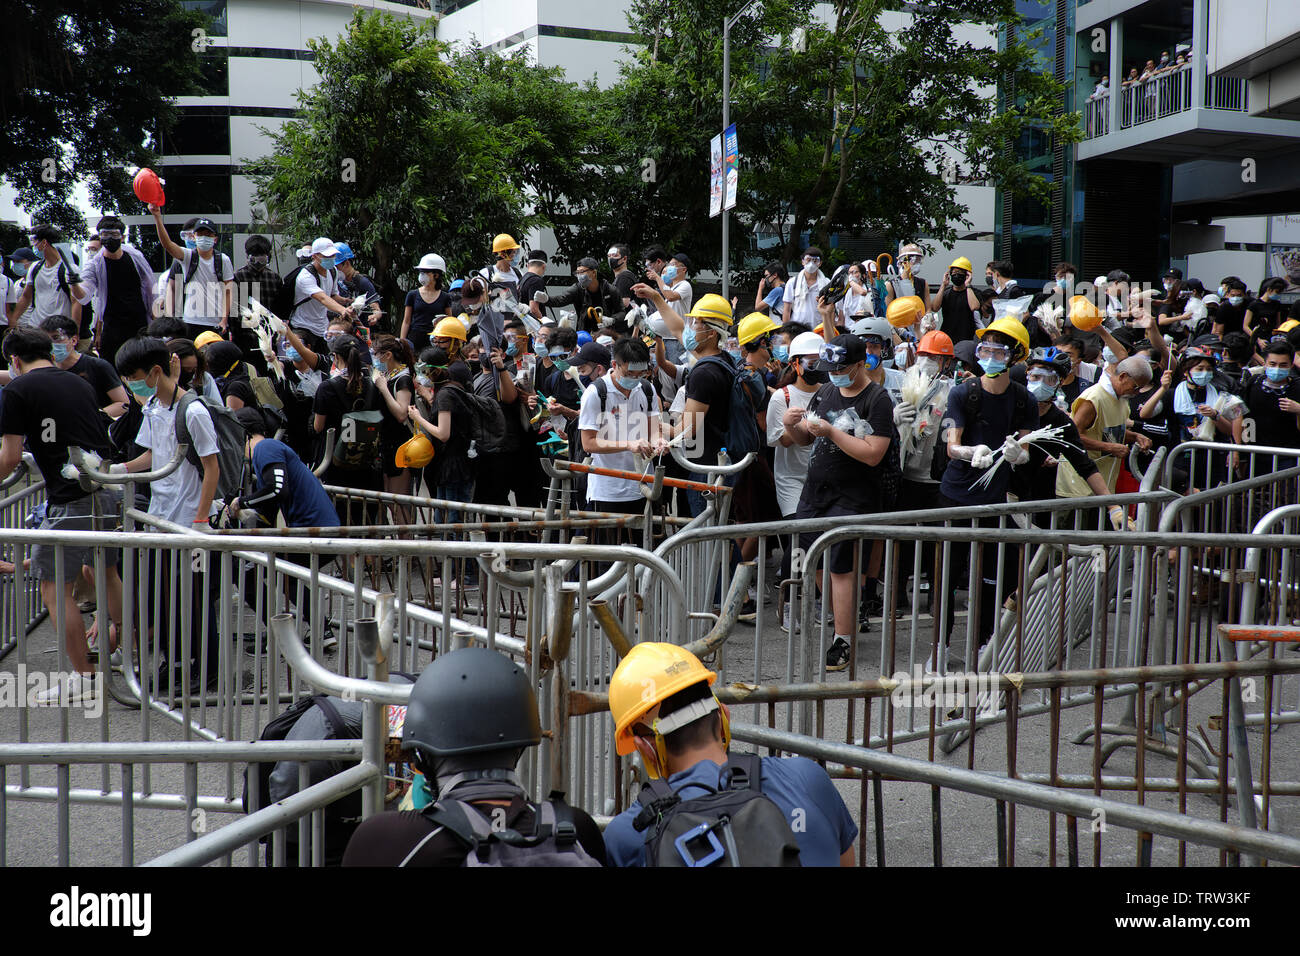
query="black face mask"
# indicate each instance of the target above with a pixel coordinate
(958, 278)
(184, 379)
(112, 245)
(814, 376)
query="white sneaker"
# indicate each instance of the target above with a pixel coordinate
(329, 641)
(75, 689)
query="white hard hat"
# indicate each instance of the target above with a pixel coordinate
(806, 343)
(432, 263)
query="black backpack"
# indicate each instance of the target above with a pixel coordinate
(342, 816)
(231, 437)
(973, 406)
(356, 445)
(602, 392)
(286, 300)
(747, 392)
(553, 842)
(487, 423)
(733, 825)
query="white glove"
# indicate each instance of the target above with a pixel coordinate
(981, 457)
(1014, 452)
(929, 322)
(117, 469)
(904, 413)
(1117, 517)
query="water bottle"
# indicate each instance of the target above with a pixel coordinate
(473, 449)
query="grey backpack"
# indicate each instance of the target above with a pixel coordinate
(553, 842)
(733, 825)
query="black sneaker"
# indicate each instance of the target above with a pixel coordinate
(837, 655)
(748, 611)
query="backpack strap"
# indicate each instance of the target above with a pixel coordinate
(648, 392)
(562, 819)
(463, 822)
(183, 428)
(746, 772)
(602, 391)
(332, 715)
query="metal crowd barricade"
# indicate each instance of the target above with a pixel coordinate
(21, 609)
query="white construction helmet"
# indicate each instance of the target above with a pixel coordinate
(432, 263)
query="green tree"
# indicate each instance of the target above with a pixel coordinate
(86, 92)
(852, 133)
(407, 146)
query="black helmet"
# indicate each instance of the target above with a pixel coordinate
(837, 288)
(1052, 357)
(471, 701)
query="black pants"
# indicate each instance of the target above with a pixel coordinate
(956, 574)
(624, 535)
(114, 335)
(915, 496)
(172, 617)
(288, 586)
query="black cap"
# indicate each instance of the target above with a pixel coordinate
(25, 253)
(203, 224)
(1208, 341)
(1173, 272)
(685, 260)
(251, 419)
(593, 353)
(841, 352)
(537, 255)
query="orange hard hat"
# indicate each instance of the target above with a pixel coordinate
(935, 343)
(148, 187)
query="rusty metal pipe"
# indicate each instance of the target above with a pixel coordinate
(720, 631)
(609, 624)
(560, 628)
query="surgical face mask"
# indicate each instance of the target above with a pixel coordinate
(292, 354)
(841, 380)
(1041, 391)
(424, 381)
(512, 350)
(1108, 355)
(812, 376)
(425, 277)
(204, 243)
(18, 268)
(189, 241)
(561, 364)
(781, 353)
(670, 274)
(60, 351)
(142, 390)
(927, 366)
(689, 339)
(1202, 377)
(1274, 374)
(327, 262)
(1222, 291)
(627, 384)
(735, 354)
(614, 263)
(1235, 299)
(112, 245)
(1167, 284)
(993, 367)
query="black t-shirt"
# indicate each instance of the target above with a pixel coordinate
(709, 383)
(1162, 427)
(333, 401)
(1273, 427)
(835, 477)
(103, 378)
(958, 317)
(53, 410)
(997, 417)
(1036, 481)
(123, 306)
(1231, 316)
(425, 315)
(1266, 316)
(624, 281)
(391, 430)
(387, 839)
(530, 283)
(451, 461)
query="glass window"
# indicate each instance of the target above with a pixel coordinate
(199, 130)
(214, 74)
(216, 11)
(196, 190)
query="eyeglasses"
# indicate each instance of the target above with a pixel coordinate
(990, 350)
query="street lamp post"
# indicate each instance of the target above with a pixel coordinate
(727, 24)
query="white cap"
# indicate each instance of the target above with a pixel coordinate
(1100, 282)
(304, 252)
(806, 343)
(324, 247)
(1212, 299)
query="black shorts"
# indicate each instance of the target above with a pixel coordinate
(841, 554)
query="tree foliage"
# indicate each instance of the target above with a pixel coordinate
(87, 87)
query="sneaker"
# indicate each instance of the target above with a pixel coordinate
(328, 640)
(837, 655)
(75, 689)
(748, 611)
(789, 616)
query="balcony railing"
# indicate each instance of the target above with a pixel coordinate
(1160, 96)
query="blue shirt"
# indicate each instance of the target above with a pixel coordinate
(799, 786)
(774, 299)
(303, 501)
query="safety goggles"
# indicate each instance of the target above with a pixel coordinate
(1043, 376)
(834, 354)
(992, 351)
(809, 260)
(110, 233)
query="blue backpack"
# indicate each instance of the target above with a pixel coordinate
(747, 391)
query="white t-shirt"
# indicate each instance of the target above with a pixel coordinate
(683, 305)
(626, 418)
(204, 294)
(802, 296)
(789, 465)
(312, 315)
(7, 296)
(853, 304)
(176, 497)
(48, 298)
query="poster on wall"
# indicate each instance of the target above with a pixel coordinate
(715, 175)
(732, 149)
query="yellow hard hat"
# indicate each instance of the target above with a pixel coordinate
(207, 338)
(649, 674)
(504, 243)
(904, 310)
(1288, 325)
(415, 453)
(1084, 313)
(712, 308)
(961, 262)
(449, 327)
(754, 325)
(1009, 327)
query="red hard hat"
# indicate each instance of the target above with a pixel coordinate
(148, 187)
